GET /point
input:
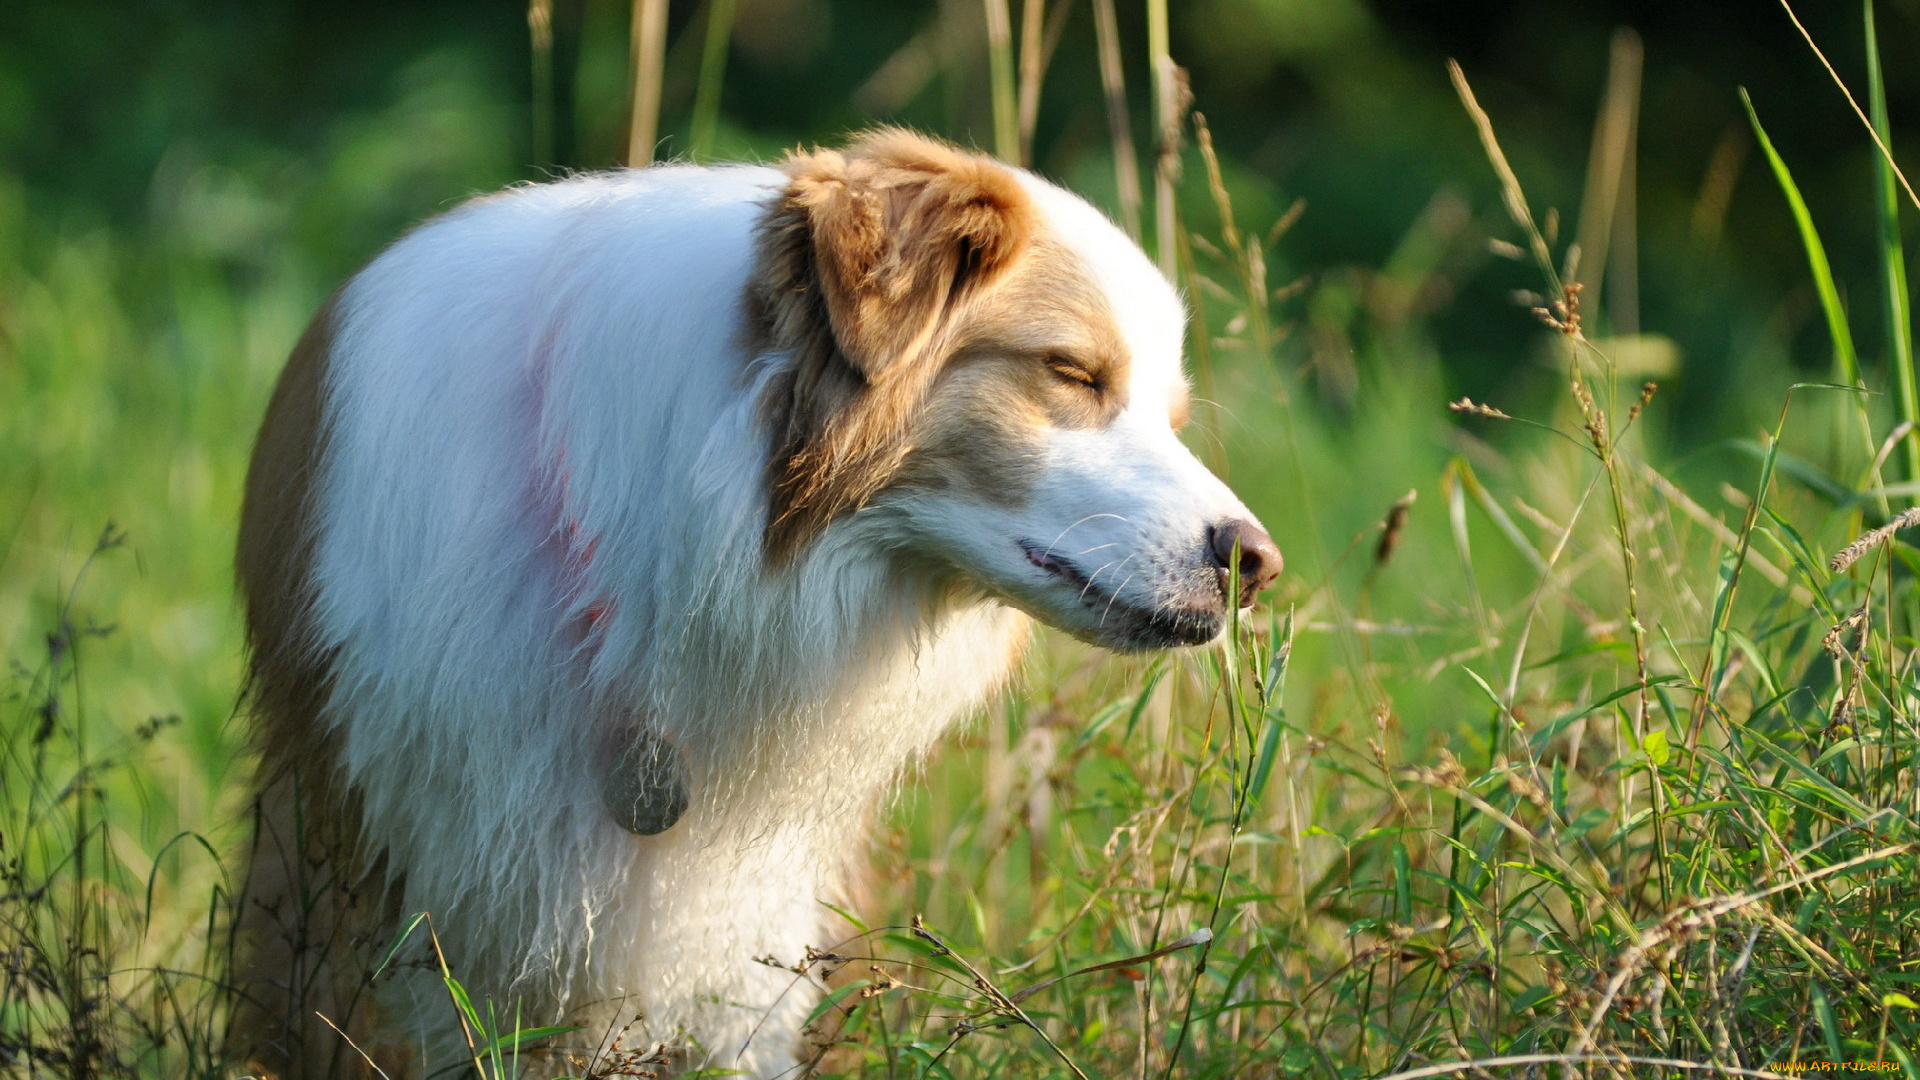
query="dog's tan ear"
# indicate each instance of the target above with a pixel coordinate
(868, 262)
(902, 229)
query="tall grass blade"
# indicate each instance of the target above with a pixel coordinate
(1006, 113)
(1033, 67)
(1710, 670)
(540, 29)
(1604, 207)
(648, 62)
(1886, 154)
(1040, 35)
(1844, 356)
(519, 1038)
(713, 73)
(1823, 1011)
(400, 938)
(1730, 568)
(1249, 262)
(1510, 191)
(1893, 259)
(1276, 718)
(1168, 107)
(1113, 81)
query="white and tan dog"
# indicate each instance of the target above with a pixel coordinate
(610, 545)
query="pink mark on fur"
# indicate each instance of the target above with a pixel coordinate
(566, 547)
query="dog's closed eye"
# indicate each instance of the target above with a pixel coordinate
(1073, 370)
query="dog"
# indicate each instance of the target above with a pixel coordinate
(610, 545)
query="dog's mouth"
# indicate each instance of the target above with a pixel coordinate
(1123, 625)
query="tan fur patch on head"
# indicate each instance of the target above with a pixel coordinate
(868, 262)
(1055, 316)
(1045, 354)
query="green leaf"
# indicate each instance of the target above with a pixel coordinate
(1806, 473)
(1103, 718)
(1655, 746)
(833, 1000)
(1701, 807)
(928, 1062)
(1626, 828)
(1806, 778)
(1722, 607)
(1498, 515)
(926, 951)
(1492, 694)
(1590, 819)
(1553, 727)
(1809, 910)
(979, 913)
(406, 931)
(464, 1002)
(1896, 998)
(1531, 997)
(520, 1038)
(1263, 763)
(1829, 1026)
(849, 916)
(1402, 884)
(1843, 352)
(1893, 260)
(1834, 751)
(1276, 715)
(1757, 660)
(1282, 637)
(1146, 693)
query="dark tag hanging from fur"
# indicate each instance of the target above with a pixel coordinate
(646, 788)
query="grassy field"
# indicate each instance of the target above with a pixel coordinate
(1537, 758)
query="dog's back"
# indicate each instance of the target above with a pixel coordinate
(404, 548)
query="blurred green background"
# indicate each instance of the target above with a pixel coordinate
(261, 132)
(182, 182)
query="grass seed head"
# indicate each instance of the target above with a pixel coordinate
(1473, 408)
(1563, 314)
(1852, 552)
(1390, 528)
(1646, 397)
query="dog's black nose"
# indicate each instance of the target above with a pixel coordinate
(1260, 560)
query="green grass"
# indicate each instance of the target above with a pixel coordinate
(1581, 764)
(1670, 820)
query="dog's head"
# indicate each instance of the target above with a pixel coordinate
(986, 363)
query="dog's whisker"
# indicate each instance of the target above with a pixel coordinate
(1103, 568)
(1062, 535)
(1114, 596)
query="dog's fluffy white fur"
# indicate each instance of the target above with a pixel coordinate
(763, 469)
